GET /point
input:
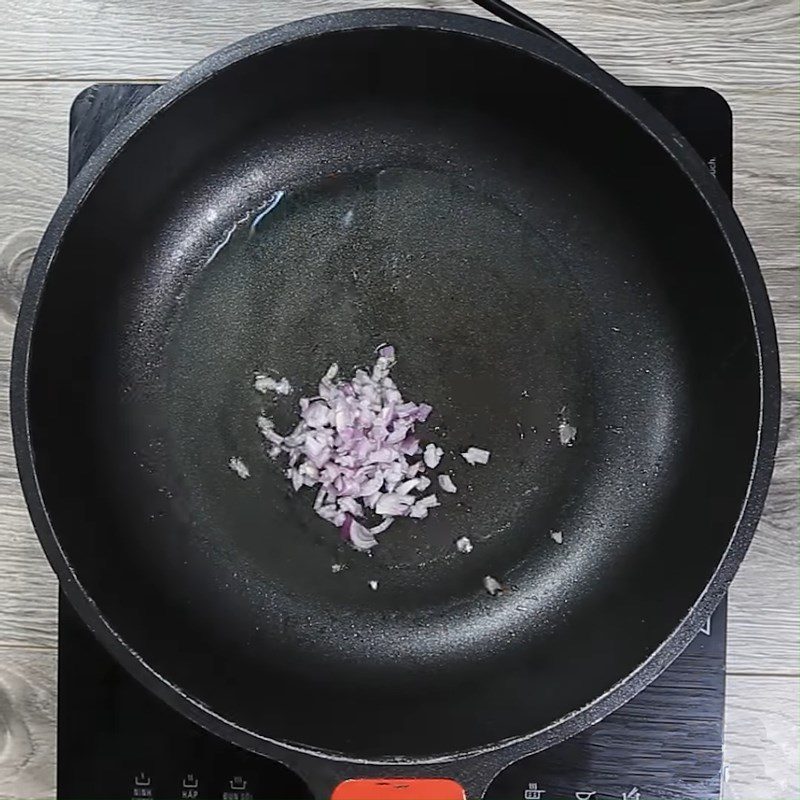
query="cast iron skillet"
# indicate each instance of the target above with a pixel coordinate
(535, 240)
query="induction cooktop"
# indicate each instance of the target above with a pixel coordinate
(116, 740)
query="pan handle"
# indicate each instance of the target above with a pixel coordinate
(462, 779)
(515, 17)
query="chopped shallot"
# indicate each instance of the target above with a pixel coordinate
(360, 537)
(373, 585)
(567, 433)
(376, 529)
(239, 467)
(420, 509)
(557, 536)
(266, 383)
(356, 442)
(447, 485)
(433, 455)
(492, 585)
(476, 455)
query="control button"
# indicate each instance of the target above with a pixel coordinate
(190, 784)
(585, 795)
(141, 787)
(633, 794)
(533, 792)
(398, 789)
(238, 790)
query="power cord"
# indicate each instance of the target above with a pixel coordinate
(515, 17)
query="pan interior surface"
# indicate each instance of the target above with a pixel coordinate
(531, 253)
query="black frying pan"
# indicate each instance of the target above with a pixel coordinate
(531, 235)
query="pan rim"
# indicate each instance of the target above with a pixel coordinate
(495, 33)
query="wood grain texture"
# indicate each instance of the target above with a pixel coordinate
(746, 49)
(764, 607)
(725, 41)
(762, 728)
(27, 723)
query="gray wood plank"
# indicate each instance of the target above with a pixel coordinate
(27, 723)
(764, 609)
(762, 729)
(746, 43)
(33, 153)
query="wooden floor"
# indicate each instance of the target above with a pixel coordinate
(746, 49)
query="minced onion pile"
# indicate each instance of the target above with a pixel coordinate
(356, 441)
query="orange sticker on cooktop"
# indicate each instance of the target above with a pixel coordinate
(398, 789)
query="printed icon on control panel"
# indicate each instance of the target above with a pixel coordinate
(533, 792)
(239, 784)
(190, 782)
(706, 629)
(142, 780)
(633, 794)
(585, 795)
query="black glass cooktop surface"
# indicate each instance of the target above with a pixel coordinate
(116, 740)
